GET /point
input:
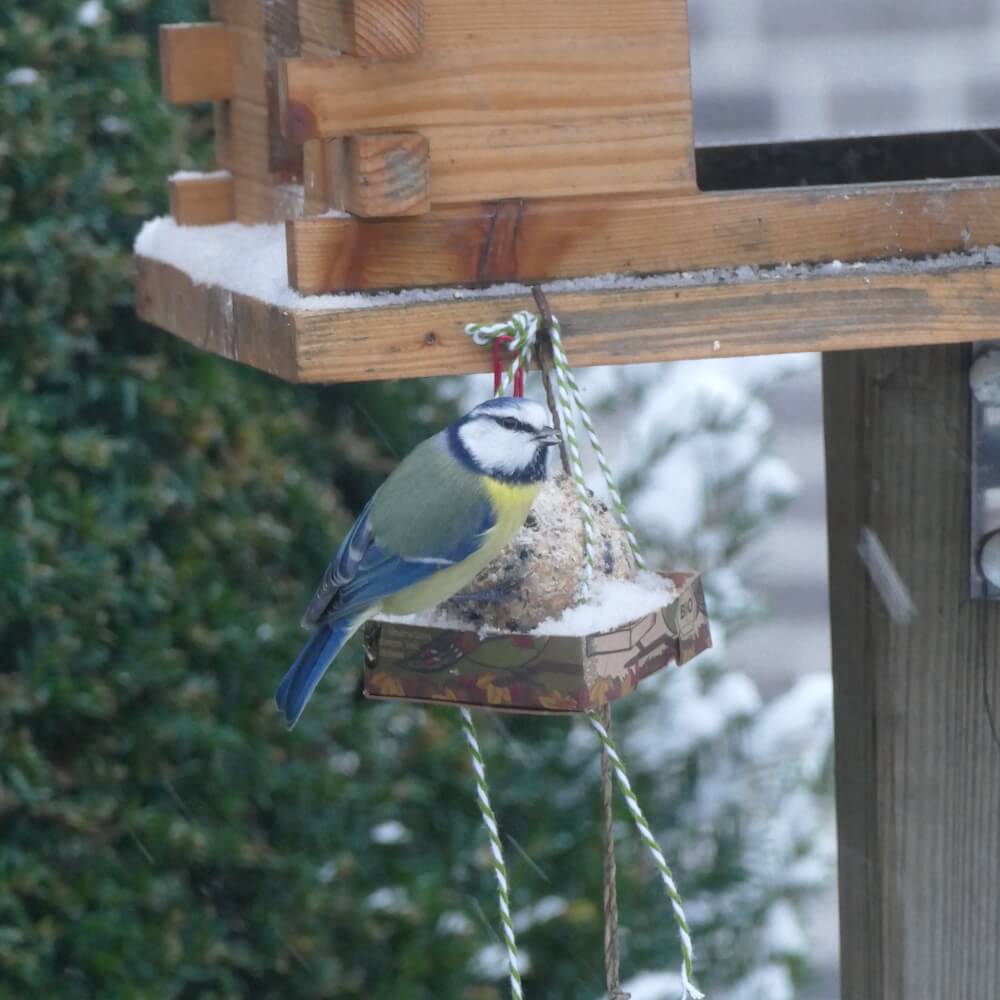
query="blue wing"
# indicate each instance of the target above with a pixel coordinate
(362, 571)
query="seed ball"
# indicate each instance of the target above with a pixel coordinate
(538, 575)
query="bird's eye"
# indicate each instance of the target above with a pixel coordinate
(509, 423)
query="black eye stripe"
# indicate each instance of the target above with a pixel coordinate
(513, 424)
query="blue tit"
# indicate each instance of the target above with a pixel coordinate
(445, 512)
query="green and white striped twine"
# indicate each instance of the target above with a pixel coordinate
(496, 851)
(523, 327)
(639, 818)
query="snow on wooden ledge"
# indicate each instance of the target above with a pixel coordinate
(225, 289)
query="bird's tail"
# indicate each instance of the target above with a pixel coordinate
(318, 653)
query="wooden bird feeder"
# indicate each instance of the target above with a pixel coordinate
(442, 147)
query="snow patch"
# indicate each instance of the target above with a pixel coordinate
(612, 603)
(90, 13)
(23, 76)
(199, 175)
(389, 832)
(250, 260)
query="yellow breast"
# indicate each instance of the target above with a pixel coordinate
(511, 504)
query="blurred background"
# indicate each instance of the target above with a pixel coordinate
(164, 514)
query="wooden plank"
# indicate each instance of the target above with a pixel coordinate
(550, 83)
(821, 313)
(281, 40)
(261, 201)
(388, 29)
(202, 200)
(215, 319)
(195, 62)
(449, 24)
(381, 176)
(917, 755)
(541, 240)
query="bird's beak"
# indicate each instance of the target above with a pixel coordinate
(549, 436)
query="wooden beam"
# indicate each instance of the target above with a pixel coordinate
(381, 176)
(388, 29)
(202, 200)
(579, 116)
(917, 753)
(388, 340)
(195, 62)
(549, 84)
(541, 240)
(449, 24)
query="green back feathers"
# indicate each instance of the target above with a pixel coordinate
(430, 504)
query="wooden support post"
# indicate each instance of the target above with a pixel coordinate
(917, 755)
(195, 63)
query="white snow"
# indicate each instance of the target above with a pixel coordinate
(115, 125)
(90, 13)
(783, 934)
(198, 175)
(251, 260)
(890, 585)
(389, 832)
(984, 378)
(612, 603)
(454, 922)
(390, 899)
(546, 909)
(490, 963)
(23, 76)
(769, 982)
(653, 986)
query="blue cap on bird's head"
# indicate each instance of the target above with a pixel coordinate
(506, 438)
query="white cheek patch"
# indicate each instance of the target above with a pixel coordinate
(494, 448)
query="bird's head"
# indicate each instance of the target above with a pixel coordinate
(506, 438)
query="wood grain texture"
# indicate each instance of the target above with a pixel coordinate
(318, 175)
(541, 240)
(550, 83)
(918, 765)
(195, 62)
(388, 29)
(601, 327)
(585, 110)
(381, 176)
(201, 201)
(453, 23)
(215, 319)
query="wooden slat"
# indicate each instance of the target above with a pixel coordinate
(389, 29)
(421, 339)
(917, 755)
(202, 201)
(281, 40)
(453, 23)
(195, 62)
(261, 201)
(382, 176)
(534, 241)
(215, 319)
(549, 83)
